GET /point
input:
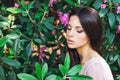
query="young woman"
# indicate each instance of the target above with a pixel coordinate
(84, 33)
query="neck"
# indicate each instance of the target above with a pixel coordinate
(86, 53)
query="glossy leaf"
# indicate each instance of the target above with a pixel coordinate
(70, 2)
(28, 50)
(12, 36)
(67, 62)
(30, 5)
(51, 77)
(44, 70)
(3, 41)
(2, 73)
(62, 69)
(48, 25)
(11, 62)
(103, 12)
(14, 10)
(80, 77)
(111, 18)
(97, 4)
(12, 75)
(116, 2)
(74, 70)
(25, 76)
(38, 70)
(23, 4)
(50, 19)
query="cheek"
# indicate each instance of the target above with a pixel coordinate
(81, 40)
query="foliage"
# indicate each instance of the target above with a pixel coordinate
(32, 38)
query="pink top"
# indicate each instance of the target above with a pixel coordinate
(98, 69)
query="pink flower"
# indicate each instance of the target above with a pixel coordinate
(104, 1)
(118, 9)
(63, 18)
(42, 54)
(16, 5)
(51, 2)
(103, 6)
(118, 28)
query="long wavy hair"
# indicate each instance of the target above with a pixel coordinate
(92, 25)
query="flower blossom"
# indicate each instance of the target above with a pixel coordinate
(104, 1)
(118, 9)
(63, 18)
(16, 5)
(42, 54)
(103, 6)
(51, 2)
(118, 28)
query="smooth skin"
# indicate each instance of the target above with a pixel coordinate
(77, 39)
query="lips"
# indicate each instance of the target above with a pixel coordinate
(70, 41)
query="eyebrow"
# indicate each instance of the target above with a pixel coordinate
(75, 26)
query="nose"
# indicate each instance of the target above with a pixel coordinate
(71, 32)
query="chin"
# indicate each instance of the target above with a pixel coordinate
(71, 47)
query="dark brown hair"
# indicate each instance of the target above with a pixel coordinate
(92, 25)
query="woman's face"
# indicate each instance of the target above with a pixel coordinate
(76, 36)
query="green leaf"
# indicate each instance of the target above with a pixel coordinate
(62, 69)
(30, 5)
(118, 18)
(11, 62)
(78, 2)
(23, 4)
(14, 10)
(80, 77)
(44, 70)
(103, 12)
(13, 36)
(24, 76)
(24, 13)
(116, 2)
(48, 25)
(118, 60)
(2, 73)
(111, 18)
(51, 77)
(28, 50)
(46, 7)
(49, 19)
(16, 26)
(97, 4)
(4, 25)
(67, 62)
(12, 75)
(74, 70)
(38, 70)
(3, 41)
(3, 18)
(38, 41)
(70, 2)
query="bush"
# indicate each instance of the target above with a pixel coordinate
(32, 36)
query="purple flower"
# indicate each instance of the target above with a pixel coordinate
(118, 28)
(42, 54)
(118, 9)
(104, 1)
(103, 6)
(51, 2)
(16, 5)
(63, 18)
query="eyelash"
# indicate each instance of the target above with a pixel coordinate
(77, 30)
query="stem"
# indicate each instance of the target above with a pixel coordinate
(25, 36)
(43, 17)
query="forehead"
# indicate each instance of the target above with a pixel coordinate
(74, 21)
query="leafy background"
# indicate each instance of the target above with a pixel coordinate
(33, 44)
